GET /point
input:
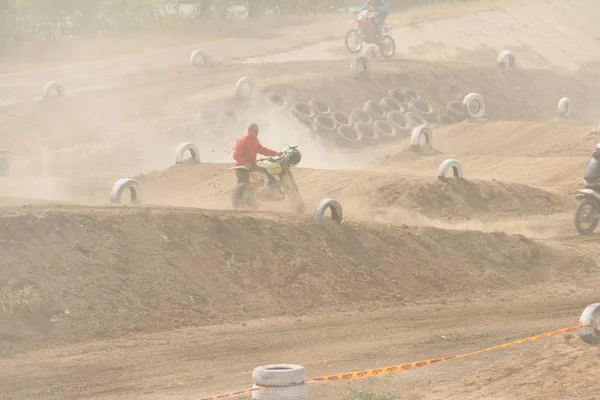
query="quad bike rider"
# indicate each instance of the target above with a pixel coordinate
(256, 183)
(587, 213)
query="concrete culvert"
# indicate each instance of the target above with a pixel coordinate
(399, 96)
(588, 323)
(319, 107)
(368, 133)
(416, 119)
(328, 204)
(121, 186)
(348, 136)
(302, 110)
(402, 124)
(418, 134)
(375, 110)
(450, 164)
(390, 104)
(386, 131)
(444, 119)
(456, 110)
(360, 115)
(182, 149)
(421, 106)
(340, 118)
(244, 88)
(564, 107)
(53, 89)
(410, 94)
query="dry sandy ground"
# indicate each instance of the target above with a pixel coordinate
(181, 298)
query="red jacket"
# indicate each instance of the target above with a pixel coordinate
(246, 149)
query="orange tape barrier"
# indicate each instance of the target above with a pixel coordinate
(405, 367)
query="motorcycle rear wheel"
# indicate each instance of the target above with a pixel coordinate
(387, 46)
(578, 217)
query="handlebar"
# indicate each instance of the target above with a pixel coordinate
(276, 156)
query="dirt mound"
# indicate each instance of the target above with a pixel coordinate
(71, 274)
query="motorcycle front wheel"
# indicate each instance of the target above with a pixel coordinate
(353, 41)
(583, 218)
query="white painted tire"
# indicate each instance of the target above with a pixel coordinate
(590, 334)
(319, 107)
(390, 104)
(386, 131)
(415, 137)
(420, 106)
(5, 161)
(360, 68)
(300, 109)
(340, 118)
(228, 117)
(360, 115)
(367, 132)
(244, 88)
(348, 136)
(123, 184)
(399, 95)
(53, 89)
(506, 59)
(410, 94)
(374, 109)
(416, 119)
(181, 150)
(296, 392)
(324, 123)
(401, 122)
(278, 375)
(324, 205)
(475, 105)
(447, 164)
(196, 54)
(564, 107)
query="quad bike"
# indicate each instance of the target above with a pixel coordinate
(281, 185)
(587, 212)
(364, 31)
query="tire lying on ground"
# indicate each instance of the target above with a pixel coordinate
(456, 110)
(360, 68)
(278, 375)
(475, 105)
(390, 104)
(402, 124)
(300, 109)
(410, 94)
(506, 59)
(360, 115)
(181, 150)
(447, 164)
(420, 106)
(244, 88)
(295, 392)
(196, 56)
(444, 119)
(416, 119)
(588, 328)
(53, 89)
(340, 118)
(333, 205)
(325, 124)
(368, 133)
(229, 116)
(386, 131)
(564, 107)
(275, 100)
(348, 136)
(125, 184)
(399, 96)
(415, 137)
(319, 107)
(375, 110)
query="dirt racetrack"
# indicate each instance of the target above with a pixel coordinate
(181, 297)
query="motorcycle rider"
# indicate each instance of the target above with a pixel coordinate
(381, 13)
(244, 153)
(592, 170)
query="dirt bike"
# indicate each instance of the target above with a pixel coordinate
(363, 31)
(281, 184)
(587, 212)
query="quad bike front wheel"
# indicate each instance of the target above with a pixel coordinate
(387, 46)
(353, 41)
(584, 220)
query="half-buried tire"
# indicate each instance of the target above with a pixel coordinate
(386, 131)
(122, 185)
(446, 165)
(420, 106)
(416, 119)
(399, 96)
(328, 204)
(180, 153)
(419, 132)
(348, 136)
(340, 118)
(360, 115)
(456, 110)
(588, 324)
(401, 122)
(300, 109)
(368, 132)
(325, 125)
(319, 107)
(375, 110)
(390, 104)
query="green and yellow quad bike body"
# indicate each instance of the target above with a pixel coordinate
(281, 184)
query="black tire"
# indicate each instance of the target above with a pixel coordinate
(386, 42)
(348, 34)
(577, 217)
